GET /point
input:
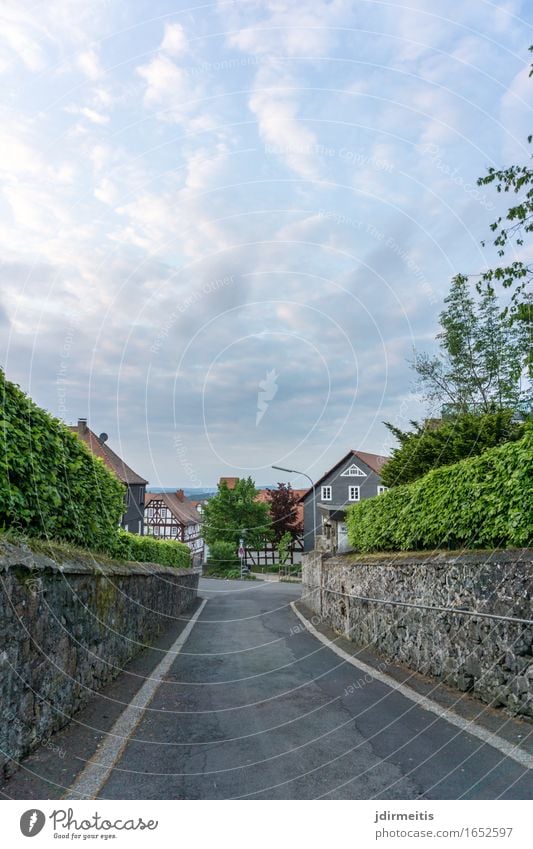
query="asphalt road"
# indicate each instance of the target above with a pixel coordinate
(254, 706)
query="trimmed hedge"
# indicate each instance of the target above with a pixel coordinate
(52, 486)
(150, 550)
(50, 483)
(482, 502)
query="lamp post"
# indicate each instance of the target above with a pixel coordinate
(305, 475)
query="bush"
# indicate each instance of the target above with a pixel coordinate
(52, 486)
(150, 550)
(428, 447)
(483, 502)
(222, 557)
(50, 483)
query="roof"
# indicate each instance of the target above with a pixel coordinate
(231, 483)
(374, 461)
(182, 510)
(262, 496)
(113, 462)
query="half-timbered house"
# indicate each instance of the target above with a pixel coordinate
(170, 515)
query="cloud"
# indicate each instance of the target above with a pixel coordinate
(89, 63)
(175, 41)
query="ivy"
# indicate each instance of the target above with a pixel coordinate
(52, 486)
(482, 502)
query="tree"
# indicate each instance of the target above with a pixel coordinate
(234, 513)
(283, 505)
(479, 368)
(512, 230)
(284, 548)
(428, 446)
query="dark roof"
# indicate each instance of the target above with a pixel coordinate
(113, 462)
(182, 509)
(373, 461)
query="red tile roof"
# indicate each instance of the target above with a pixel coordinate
(231, 483)
(182, 509)
(113, 462)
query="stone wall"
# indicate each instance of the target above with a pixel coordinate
(489, 657)
(67, 627)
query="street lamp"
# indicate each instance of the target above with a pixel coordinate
(305, 475)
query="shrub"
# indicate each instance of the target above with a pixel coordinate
(52, 486)
(150, 550)
(482, 502)
(222, 557)
(50, 483)
(428, 447)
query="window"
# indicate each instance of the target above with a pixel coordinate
(354, 493)
(127, 496)
(150, 512)
(156, 531)
(326, 493)
(382, 489)
(174, 530)
(141, 495)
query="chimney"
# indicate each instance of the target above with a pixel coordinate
(180, 495)
(82, 426)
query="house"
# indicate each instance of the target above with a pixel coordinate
(170, 515)
(231, 483)
(135, 485)
(356, 476)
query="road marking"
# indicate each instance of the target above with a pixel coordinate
(96, 772)
(494, 740)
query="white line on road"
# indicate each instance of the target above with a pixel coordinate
(96, 772)
(494, 740)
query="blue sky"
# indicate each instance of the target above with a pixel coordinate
(206, 209)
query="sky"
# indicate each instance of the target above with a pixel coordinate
(226, 228)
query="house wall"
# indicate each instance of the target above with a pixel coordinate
(68, 627)
(368, 489)
(491, 658)
(134, 514)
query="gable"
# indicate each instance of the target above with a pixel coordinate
(353, 471)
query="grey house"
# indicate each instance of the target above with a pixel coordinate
(134, 484)
(354, 477)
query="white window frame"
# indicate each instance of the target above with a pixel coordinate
(354, 493)
(326, 493)
(382, 489)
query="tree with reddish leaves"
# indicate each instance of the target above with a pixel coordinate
(283, 505)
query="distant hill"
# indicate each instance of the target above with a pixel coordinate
(194, 493)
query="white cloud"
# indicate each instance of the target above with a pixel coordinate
(174, 40)
(276, 109)
(89, 63)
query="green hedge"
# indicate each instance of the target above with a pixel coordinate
(482, 502)
(150, 550)
(50, 483)
(52, 486)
